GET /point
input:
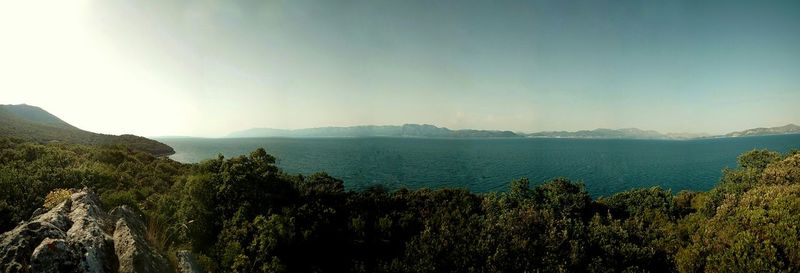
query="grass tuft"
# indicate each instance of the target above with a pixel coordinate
(55, 197)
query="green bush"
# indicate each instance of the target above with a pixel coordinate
(112, 199)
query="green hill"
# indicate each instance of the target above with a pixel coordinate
(34, 123)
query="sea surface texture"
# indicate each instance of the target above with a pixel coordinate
(482, 165)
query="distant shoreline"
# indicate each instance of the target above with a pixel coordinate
(431, 131)
(472, 138)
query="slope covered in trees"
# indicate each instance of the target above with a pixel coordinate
(243, 214)
(33, 123)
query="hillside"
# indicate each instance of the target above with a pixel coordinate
(406, 130)
(786, 129)
(33, 123)
(627, 133)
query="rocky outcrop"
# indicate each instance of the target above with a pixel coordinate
(55, 255)
(87, 232)
(78, 236)
(134, 254)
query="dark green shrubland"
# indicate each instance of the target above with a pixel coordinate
(243, 214)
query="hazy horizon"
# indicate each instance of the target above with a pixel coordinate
(205, 68)
(587, 129)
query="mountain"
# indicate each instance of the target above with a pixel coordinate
(36, 115)
(627, 133)
(786, 129)
(634, 133)
(34, 123)
(687, 135)
(425, 130)
(406, 130)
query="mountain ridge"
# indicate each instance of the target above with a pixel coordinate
(34, 123)
(790, 128)
(427, 130)
(405, 130)
(624, 133)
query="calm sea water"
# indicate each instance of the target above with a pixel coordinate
(481, 165)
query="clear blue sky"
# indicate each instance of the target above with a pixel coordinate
(207, 68)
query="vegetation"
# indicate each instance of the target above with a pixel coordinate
(56, 197)
(244, 214)
(32, 123)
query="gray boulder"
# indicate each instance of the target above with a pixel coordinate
(78, 236)
(54, 256)
(134, 254)
(17, 245)
(89, 224)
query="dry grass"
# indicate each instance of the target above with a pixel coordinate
(55, 197)
(156, 233)
(161, 233)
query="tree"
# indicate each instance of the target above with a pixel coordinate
(758, 159)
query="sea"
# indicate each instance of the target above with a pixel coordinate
(605, 166)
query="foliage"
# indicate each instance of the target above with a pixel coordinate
(757, 159)
(29, 171)
(243, 214)
(55, 197)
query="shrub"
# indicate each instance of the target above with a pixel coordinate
(114, 199)
(784, 172)
(757, 159)
(55, 197)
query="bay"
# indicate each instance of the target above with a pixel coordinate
(606, 166)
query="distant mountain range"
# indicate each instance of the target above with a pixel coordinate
(425, 130)
(33, 123)
(406, 130)
(633, 133)
(786, 129)
(627, 133)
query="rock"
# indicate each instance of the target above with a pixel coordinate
(87, 230)
(133, 220)
(75, 236)
(37, 212)
(134, 254)
(55, 255)
(186, 262)
(17, 245)
(58, 216)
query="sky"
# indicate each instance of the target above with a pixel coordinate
(208, 68)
